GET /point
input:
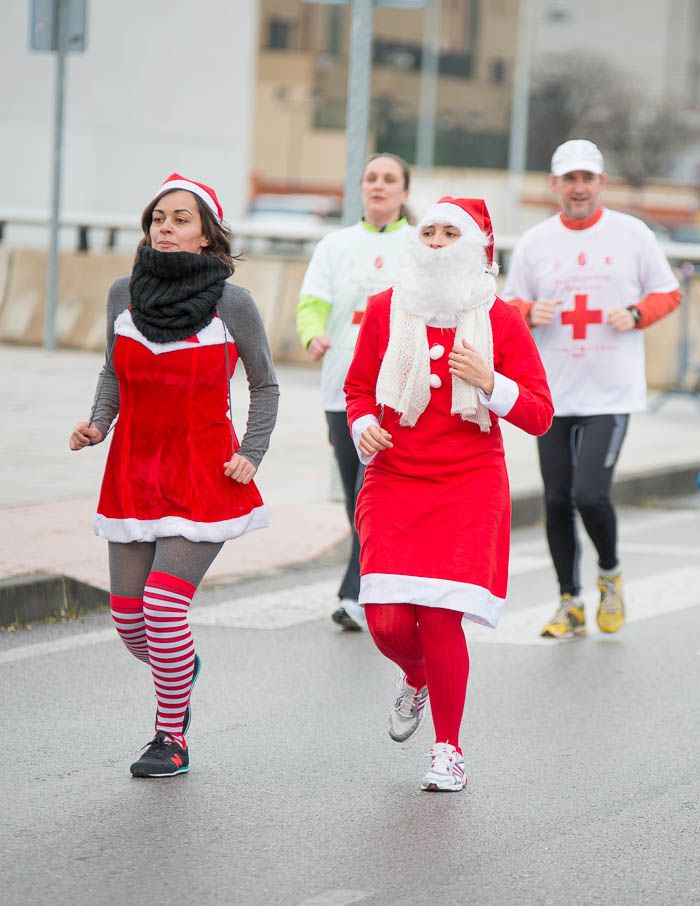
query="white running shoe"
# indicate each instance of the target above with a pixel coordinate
(408, 711)
(446, 774)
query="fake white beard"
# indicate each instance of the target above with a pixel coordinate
(435, 284)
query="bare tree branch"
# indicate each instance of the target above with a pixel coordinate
(582, 96)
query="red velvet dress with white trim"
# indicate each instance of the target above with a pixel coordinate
(165, 470)
(433, 514)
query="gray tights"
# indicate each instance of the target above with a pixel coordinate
(130, 564)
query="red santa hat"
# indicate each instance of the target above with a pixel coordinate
(206, 193)
(469, 214)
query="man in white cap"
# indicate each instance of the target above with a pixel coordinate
(588, 281)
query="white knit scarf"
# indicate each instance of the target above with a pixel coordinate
(440, 286)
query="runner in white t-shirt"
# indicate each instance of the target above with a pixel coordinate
(588, 280)
(347, 267)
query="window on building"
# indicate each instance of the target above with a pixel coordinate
(498, 71)
(397, 55)
(457, 65)
(279, 34)
(335, 31)
(558, 10)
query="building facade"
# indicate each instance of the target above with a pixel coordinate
(302, 84)
(157, 90)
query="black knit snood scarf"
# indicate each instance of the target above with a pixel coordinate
(174, 294)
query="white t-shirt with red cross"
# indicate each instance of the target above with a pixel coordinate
(591, 368)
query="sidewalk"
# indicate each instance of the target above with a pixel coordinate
(48, 494)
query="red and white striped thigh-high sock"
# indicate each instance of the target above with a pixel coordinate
(127, 614)
(166, 602)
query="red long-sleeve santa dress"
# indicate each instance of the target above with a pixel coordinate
(433, 514)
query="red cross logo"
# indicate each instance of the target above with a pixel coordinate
(359, 314)
(581, 317)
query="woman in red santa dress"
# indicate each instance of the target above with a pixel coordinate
(439, 359)
(177, 483)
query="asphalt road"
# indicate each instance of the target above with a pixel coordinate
(582, 757)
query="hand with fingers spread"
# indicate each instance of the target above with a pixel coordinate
(373, 440)
(240, 469)
(542, 312)
(467, 364)
(84, 434)
(318, 347)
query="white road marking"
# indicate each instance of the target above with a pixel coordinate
(641, 520)
(336, 898)
(520, 563)
(40, 649)
(659, 550)
(273, 609)
(654, 596)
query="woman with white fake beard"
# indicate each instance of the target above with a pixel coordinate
(438, 360)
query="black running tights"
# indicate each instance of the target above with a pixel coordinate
(577, 460)
(352, 472)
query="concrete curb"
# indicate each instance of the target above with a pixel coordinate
(39, 596)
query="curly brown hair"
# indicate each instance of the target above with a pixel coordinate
(218, 234)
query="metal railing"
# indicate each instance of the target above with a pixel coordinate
(298, 236)
(84, 222)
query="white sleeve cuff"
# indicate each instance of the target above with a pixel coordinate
(503, 396)
(358, 426)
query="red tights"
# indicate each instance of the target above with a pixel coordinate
(428, 644)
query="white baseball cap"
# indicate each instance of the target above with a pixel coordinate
(577, 154)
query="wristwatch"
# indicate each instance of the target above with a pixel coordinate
(636, 314)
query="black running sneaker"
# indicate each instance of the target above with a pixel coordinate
(186, 719)
(163, 758)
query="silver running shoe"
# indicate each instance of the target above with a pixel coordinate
(446, 774)
(408, 711)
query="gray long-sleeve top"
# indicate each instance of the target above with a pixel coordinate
(241, 317)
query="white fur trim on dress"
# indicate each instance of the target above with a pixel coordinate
(125, 530)
(213, 334)
(477, 604)
(503, 396)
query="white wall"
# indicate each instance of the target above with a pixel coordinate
(160, 87)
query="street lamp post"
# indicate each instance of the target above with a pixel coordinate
(359, 91)
(425, 150)
(357, 118)
(517, 147)
(57, 26)
(52, 271)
